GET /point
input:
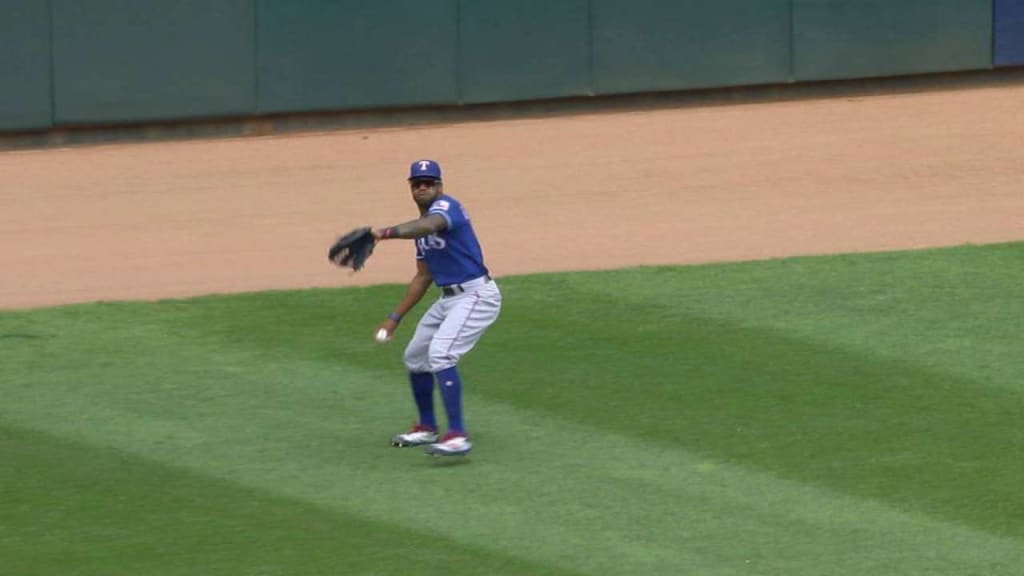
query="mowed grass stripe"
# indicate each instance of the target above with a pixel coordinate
(134, 515)
(874, 428)
(747, 363)
(950, 310)
(275, 393)
(591, 502)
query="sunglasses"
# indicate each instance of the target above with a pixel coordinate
(429, 182)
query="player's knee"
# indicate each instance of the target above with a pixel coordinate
(416, 360)
(440, 359)
(417, 366)
(441, 364)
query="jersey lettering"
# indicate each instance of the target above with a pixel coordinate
(432, 242)
(453, 255)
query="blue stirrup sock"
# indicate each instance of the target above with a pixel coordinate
(423, 393)
(451, 393)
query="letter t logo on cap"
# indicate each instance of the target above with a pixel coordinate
(425, 169)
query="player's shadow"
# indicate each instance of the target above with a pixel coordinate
(442, 462)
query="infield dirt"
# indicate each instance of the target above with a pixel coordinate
(588, 191)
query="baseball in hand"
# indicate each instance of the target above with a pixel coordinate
(382, 335)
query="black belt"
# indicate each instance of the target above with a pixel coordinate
(458, 289)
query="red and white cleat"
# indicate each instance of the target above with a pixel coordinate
(418, 436)
(454, 444)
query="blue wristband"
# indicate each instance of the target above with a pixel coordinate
(396, 317)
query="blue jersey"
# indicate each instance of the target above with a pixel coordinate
(453, 255)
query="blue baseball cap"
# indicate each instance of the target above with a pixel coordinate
(425, 169)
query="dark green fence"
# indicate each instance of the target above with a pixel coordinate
(865, 38)
(523, 49)
(25, 89)
(347, 54)
(652, 45)
(131, 61)
(70, 62)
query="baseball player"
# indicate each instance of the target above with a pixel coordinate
(448, 255)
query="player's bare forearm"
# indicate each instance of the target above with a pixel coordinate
(418, 228)
(414, 293)
(418, 286)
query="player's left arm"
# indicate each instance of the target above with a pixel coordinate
(425, 226)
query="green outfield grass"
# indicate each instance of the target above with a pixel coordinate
(846, 415)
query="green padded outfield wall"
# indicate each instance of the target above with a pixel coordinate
(653, 45)
(871, 38)
(71, 62)
(131, 60)
(523, 49)
(25, 101)
(351, 54)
